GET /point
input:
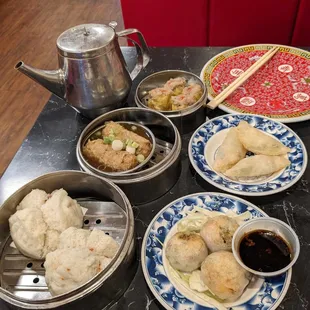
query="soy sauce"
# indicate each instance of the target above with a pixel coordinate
(264, 251)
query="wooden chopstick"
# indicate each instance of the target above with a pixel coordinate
(242, 78)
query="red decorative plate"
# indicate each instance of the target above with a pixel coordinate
(279, 90)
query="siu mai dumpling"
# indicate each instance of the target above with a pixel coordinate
(230, 152)
(159, 99)
(257, 142)
(176, 85)
(257, 166)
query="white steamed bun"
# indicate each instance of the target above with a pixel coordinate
(61, 211)
(101, 244)
(51, 241)
(218, 232)
(186, 251)
(73, 238)
(28, 231)
(224, 277)
(35, 199)
(67, 269)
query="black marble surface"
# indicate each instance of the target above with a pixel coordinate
(51, 143)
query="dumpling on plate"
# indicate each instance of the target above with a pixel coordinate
(28, 231)
(257, 166)
(218, 232)
(224, 277)
(186, 251)
(35, 199)
(257, 142)
(159, 99)
(61, 211)
(67, 269)
(176, 85)
(230, 152)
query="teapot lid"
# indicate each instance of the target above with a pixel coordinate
(85, 40)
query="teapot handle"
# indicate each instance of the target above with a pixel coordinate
(143, 53)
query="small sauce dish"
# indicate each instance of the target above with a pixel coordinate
(265, 246)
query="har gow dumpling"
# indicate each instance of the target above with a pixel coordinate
(230, 152)
(256, 166)
(257, 142)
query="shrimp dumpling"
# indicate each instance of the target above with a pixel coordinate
(256, 166)
(230, 152)
(257, 142)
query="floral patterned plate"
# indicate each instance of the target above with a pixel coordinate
(279, 90)
(208, 137)
(266, 296)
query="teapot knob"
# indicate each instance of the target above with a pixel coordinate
(113, 24)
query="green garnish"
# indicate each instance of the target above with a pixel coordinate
(107, 140)
(140, 158)
(135, 145)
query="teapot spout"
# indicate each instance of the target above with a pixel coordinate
(53, 80)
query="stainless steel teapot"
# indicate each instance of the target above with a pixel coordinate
(92, 76)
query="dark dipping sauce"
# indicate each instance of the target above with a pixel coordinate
(265, 251)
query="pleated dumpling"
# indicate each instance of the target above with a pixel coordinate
(230, 152)
(256, 166)
(257, 142)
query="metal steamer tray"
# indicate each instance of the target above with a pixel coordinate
(22, 278)
(163, 169)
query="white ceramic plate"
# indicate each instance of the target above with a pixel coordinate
(209, 136)
(264, 294)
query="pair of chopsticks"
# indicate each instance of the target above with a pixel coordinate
(242, 78)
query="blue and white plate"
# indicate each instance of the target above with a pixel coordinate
(208, 137)
(265, 294)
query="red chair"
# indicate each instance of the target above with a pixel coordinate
(219, 22)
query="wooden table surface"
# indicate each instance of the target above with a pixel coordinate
(28, 31)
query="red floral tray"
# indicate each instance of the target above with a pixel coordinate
(280, 89)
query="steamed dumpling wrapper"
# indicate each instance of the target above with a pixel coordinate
(230, 152)
(258, 142)
(256, 166)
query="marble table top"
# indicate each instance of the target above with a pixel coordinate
(50, 146)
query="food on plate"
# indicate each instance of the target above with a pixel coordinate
(256, 166)
(67, 269)
(258, 142)
(28, 231)
(61, 211)
(218, 232)
(176, 94)
(186, 251)
(230, 152)
(116, 148)
(224, 277)
(35, 199)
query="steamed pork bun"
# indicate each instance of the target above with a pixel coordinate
(61, 211)
(73, 238)
(218, 232)
(186, 251)
(28, 231)
(224, 277)
(51, 241)
(67, 269)
(35, 199)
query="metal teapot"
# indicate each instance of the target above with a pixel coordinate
(92, 77)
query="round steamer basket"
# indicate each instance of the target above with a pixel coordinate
(186, 120)
(22, 279)
(161, 172)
